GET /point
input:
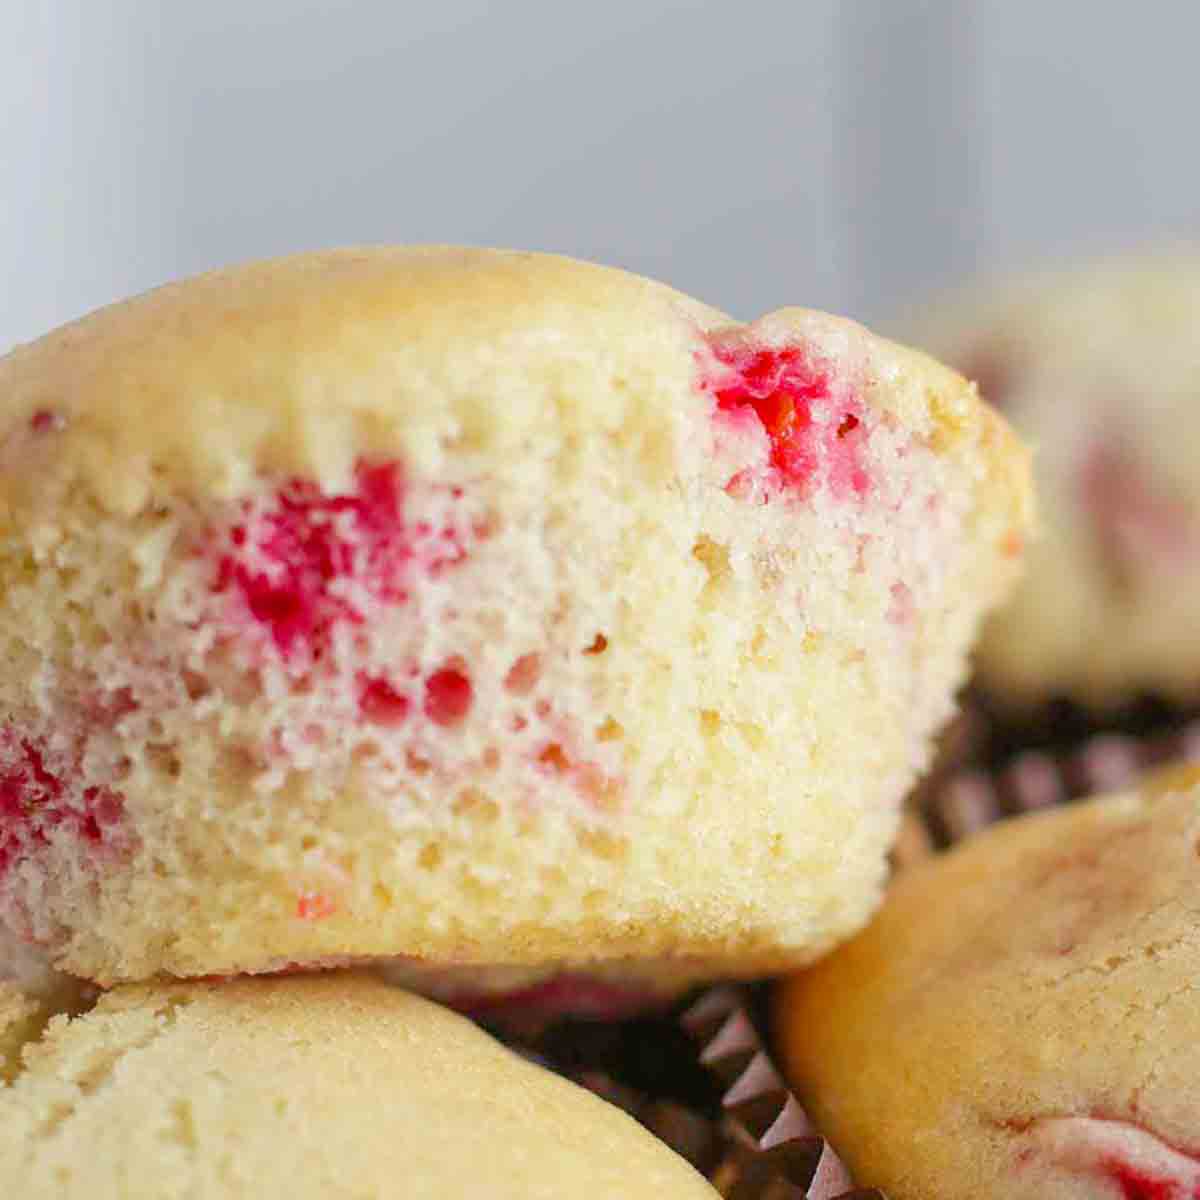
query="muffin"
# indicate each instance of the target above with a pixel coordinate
(1099, 369)
(325, 1086)
(1020, 1020)
(476, 609)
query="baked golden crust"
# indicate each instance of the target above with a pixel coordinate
(1020, 1019)
(323, 1086)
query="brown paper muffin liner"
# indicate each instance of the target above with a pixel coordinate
(988, 736)
(1001, 732)
(1058, 763)
(702, 1080)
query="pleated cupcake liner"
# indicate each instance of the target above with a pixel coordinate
(702, 1080)
(994, 780)
(772, 1149)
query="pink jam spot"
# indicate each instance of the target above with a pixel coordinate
(381, 704)
(45, 421)
(310, 563)
(315, 906)
(1132, 1156)
(523, 675)
(108, 708)
(1136, 1184)
(34, 802)
(448, 696)
(792, 399)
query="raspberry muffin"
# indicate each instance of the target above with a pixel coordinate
(327, 1086)
(1100, 370)
(1020, 1020)
(484, 609)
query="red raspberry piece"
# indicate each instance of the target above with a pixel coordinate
(315, 906)
(448, 695)
(382, 704)
(46, 421)
(309, 561)
(291, 561)
(1137, 1185)
(34, 801)
(782, 387)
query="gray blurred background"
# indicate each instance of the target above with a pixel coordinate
(845, 154)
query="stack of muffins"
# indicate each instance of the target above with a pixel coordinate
(490, 625)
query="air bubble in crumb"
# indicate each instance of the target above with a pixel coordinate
(603, 844)
(430, 857)
(523, 674)
(475, 806)
(752, 734)
(554, 757)
(713, 556)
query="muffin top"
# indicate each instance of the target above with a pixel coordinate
(1021, 1019)
(306, 1086)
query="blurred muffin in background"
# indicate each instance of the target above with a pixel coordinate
(1100, 369)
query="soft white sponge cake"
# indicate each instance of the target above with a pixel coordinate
(321, 1087)
(474, 607)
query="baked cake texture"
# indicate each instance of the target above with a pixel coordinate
(477, 608)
